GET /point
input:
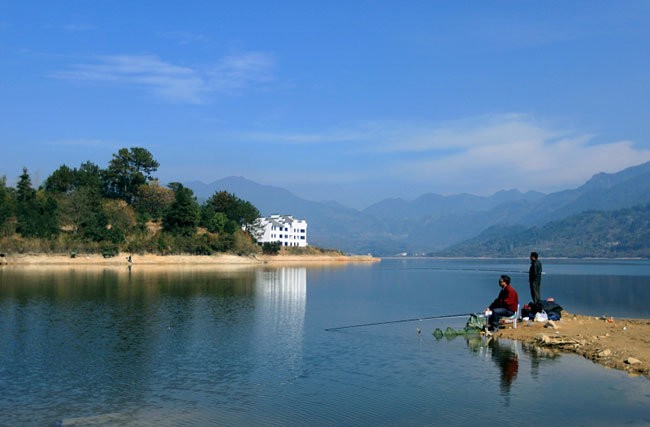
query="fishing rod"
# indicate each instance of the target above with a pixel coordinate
(462, 269)
(415, 319)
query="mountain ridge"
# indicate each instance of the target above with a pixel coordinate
(606, 234)
(431, 221)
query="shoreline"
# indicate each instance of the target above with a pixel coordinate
(122, 259)
(621, 344)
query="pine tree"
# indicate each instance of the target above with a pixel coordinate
(182, 217)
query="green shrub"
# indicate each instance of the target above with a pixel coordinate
(271, 248)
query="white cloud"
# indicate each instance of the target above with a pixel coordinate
(478, 155)
(238, 71)
(510, 152)
(143, 71)
(460, 134)
(173, 82)
(301, 138)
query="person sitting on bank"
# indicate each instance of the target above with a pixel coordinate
(505, 305)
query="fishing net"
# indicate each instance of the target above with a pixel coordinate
(476, 322)
(474, 325)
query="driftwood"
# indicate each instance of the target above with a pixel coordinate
(558, 341)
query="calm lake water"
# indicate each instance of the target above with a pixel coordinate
(249, 347)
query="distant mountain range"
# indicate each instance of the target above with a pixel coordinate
(431, 222)
(603, 234)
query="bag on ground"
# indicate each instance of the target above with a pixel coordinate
(541, 316)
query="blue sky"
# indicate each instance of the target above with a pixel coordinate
(353, 101)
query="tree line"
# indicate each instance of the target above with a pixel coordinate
(120, 208)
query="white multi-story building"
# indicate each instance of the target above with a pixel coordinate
(281, 228)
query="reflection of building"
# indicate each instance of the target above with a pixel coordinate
(280, 299)
(282, 294)
(284, 229)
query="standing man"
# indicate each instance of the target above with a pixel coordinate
(535, 278)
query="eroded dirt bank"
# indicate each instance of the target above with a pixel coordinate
(615, 343)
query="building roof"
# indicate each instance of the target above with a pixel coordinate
(281, 220)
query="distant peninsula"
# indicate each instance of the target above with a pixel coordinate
(89, 214)
(175, 261)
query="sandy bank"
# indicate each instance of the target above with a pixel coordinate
(622, 344)
(175, 260)
(306, 259)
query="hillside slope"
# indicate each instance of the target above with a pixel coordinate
(607, 234)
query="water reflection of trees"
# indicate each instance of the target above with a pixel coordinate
(92, 283)
(119, 338)
(107, 332)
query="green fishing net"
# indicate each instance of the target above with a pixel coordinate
(474, 325)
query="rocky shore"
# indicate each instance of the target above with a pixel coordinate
(622, 344)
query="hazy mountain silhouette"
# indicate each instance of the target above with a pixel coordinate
(432, 222)
(608, 234)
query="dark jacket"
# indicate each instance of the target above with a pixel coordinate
(552, 309)
(535, 271)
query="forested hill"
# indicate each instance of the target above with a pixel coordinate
(609, 234)
(121, 208)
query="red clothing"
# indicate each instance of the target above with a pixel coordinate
(507, 299)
